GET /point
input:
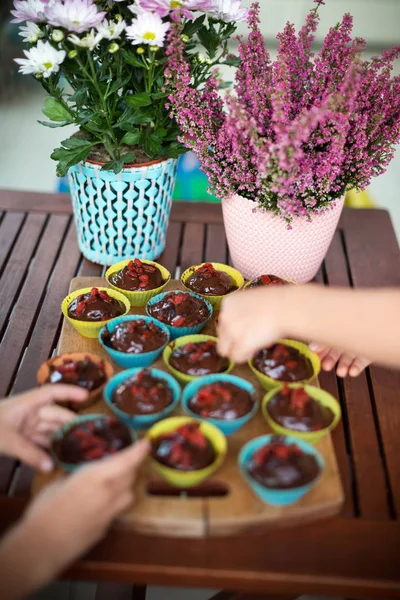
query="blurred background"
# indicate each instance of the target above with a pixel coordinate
(26, 145)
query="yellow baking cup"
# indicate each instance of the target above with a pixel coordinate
(247, 284)
(268, 383)
(188, 339)
(138, 298)
(187, 479)
(317, 394)
(91, 329)
(236, 279)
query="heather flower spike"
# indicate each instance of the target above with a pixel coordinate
(301, 130)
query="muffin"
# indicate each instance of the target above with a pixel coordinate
(90, 438)
(283, 363)
(135, 337)
(137, 276)
(85, 373)
(142, 394)
(184, 449)
(282, 466)
(198, 359)
(180, 309)
(208, 281)
(221, 400)
(95, 305)
(266, 280)
(294, 409)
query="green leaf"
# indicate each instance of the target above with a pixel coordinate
(55, 111)
(159, 95)
(117, 85)
(117, 165)
(53, 125)
(152, 145)
(132, 59)
(175, 149)
(193, 27)
(72, 151)
(131, 138)
(137, 100)
(209, 39)
(233, 61)
(74, 143)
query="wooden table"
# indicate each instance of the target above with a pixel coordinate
(356, 554)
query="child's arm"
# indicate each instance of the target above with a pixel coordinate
(360, 322)
(65, 520)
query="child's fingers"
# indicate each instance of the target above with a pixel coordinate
(56, 414)
(358, 365)
(344, 364)
(329, 362)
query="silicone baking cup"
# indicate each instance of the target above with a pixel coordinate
(273, 496)
(142, 421)
(187, 479)
(91, 329)
(236, 279)
(227, 427)
(68, 467)
(268, 383)
(139, 298)
(182, 341)
(44, 372)
(126, 359)
(177, 332)
(317, 394)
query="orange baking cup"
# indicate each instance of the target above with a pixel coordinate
(44, 372)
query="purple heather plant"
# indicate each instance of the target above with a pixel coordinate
(297, 132)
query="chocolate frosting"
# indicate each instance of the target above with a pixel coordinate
(198, 359)
(134, 337)
(208, 281)
(296, 410)
(282, 467)
(83, 373)
(221, 400)
(179, 310)
(92, 440)
(267, 280)
(137, 276)
(96, 305)
(283, 363)
(182, 452)
(142, 394)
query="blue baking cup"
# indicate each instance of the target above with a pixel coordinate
(130, 361)
(227, 427)
(142, 421)
(68, 467)
(273, 496)
(176, 332)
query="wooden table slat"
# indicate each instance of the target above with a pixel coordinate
(216, 247)
(89, 269)
(170, 256)
(18, 263)
(9, 229)
(193, 245)
(28, 301)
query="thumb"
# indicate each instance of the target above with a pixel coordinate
(19, 447)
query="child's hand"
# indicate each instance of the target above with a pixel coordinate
(346, 364)
(66, 520)
(247, 323)
(28, 421)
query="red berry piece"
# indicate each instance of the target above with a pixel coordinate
(178, 321)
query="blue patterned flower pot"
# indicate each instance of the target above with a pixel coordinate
(123, 215)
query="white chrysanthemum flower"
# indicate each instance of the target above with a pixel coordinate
(75, 15)
(111, 30)
(89, 41)
(30, 32)
(148, 28)
(29, 10)
(229, 11)
(42, 59)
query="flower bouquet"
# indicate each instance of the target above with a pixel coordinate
(102, 63)
(296, 134)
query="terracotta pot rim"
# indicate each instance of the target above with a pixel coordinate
(130, 165)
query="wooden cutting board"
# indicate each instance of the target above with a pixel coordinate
(224, 505)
